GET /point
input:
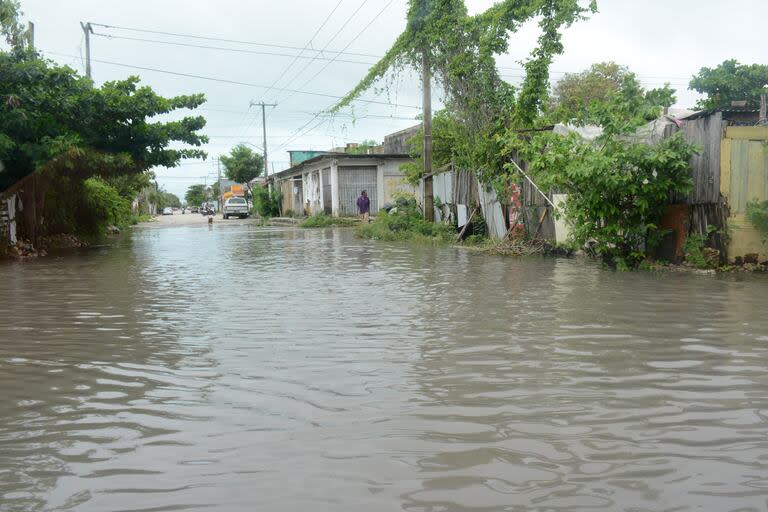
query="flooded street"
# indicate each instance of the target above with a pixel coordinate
(240, 368)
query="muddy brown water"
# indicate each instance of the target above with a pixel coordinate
(239, 368)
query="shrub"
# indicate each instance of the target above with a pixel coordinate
(757, 215)
(265, 203)
(102, 206)
(405, 222)
(322, 220)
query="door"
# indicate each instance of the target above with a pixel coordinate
(327, 197)
(352, 181)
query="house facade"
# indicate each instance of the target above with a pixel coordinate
(331, 183)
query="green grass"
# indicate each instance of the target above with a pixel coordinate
(322, 220)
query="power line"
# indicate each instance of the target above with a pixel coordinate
(236, 41)
(350, 18)
(233, 82)
(306, 46)
(355, 54)
(328, 64)
(234, 50)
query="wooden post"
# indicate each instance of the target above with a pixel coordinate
(87, 30)
(763, 114)
(426, 79)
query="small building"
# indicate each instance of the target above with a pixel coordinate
(299, 156)
(330, 183)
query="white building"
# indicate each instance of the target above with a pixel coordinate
(331, 183)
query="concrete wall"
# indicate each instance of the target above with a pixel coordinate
(392, 181)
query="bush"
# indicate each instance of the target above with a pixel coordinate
(405, 222)
(322, 220)
(102, 206)
(757, 215)
(265, 203)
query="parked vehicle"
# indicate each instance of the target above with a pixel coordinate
(167, 210)
(194, 209)
(236, 207)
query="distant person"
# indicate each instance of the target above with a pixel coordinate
(364, 206)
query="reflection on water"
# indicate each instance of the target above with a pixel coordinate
(240, 368)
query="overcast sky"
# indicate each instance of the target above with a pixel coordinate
(661, 40)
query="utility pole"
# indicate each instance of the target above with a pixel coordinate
(218, 161)
(87, 30)
(31, 34)
(264, 130)
(426, 79)
(763, 112)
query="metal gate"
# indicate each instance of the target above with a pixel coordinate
(353, 180)
(327, 201)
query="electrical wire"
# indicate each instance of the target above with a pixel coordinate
(233, 82)
(333, 38)
(234, 50)
(329, 63)
(235, 41)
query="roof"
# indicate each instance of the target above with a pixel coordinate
(320, 158)
(725, 110)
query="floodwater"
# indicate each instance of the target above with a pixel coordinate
(237, 368)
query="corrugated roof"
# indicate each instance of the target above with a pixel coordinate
(725, 110)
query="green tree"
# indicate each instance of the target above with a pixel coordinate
(243, 165)
(459, 50)
(195, 195)
(216, 190)
(575, 93)
(50, 117)
(730, 81)
(617, 190)
(10, 26)
(171, 200)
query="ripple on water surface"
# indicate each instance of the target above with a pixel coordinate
(239, 368)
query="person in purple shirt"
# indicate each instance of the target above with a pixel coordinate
(364, 206)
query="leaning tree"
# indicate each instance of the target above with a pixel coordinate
(459, 50)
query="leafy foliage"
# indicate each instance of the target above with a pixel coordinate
(405, 222)
(10, 27)
(617, 190)
(322, 220)
(460, 51)
(576, 93)
(195, 195)
(364, 147)
(50, 117)
(105, 205)
(265, 203)
(757, 215)
(242, 164)
(731, 81)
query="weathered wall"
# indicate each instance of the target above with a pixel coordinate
(744, 162)
(706, 133)
(393, 182)
(397, 143)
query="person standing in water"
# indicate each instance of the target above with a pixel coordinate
(364, 206)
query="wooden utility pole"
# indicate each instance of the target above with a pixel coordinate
(763, 113)
(87, 30)
(264, 131)
(219, 199)
(31, 34)
(426, 83)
